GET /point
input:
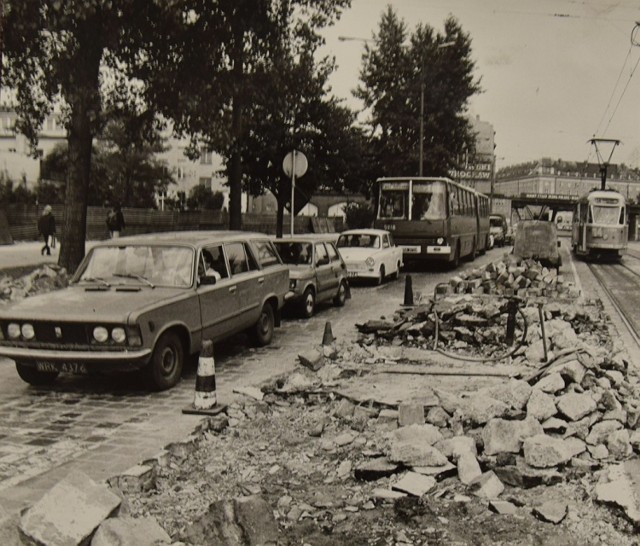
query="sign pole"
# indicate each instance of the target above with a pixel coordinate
(293, 189)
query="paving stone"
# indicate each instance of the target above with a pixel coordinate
(551, 511)
(313, 359)
(414, 484)
(487, 486)
(541, 406)
(410, 414)
(375, 469)
(504, 508)
(453, 447)
(387, 420)
(619, 486)
(500, 435)
(70, 512)
(600, 431)
(551, 383)
(468, 468)
(575, 406)
(543, 451)
(143, 531)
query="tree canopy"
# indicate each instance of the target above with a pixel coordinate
(397, 68)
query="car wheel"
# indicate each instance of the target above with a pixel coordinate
(263, 329)
(396, 274)
(381, 275)
(165, 368)
(35, 377)
(341, 296)
(308, 303)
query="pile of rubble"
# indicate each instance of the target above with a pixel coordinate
(43, 279)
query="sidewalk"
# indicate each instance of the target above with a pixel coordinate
(27, 253)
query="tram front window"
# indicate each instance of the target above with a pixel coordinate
(607, 215)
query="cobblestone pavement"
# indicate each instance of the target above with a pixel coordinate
(102, 425)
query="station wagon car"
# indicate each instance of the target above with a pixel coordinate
(370, 254)
(317, 273)
(148, 302)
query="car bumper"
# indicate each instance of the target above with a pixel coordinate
(28, 355)
(428, 252)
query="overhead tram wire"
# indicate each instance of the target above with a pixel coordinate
(622, 95)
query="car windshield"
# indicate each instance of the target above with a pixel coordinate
(358, 240)
(294, 253)
(143, 264)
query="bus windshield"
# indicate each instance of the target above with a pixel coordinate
(428, 200)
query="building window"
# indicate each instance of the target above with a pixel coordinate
(206, 157)
(205, 181)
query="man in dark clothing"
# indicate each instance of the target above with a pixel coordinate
(47, 228)
(115, 221)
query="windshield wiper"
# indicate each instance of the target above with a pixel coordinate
(96, 279)
(137, 277)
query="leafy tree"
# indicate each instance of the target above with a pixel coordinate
(201, 197)
(10, 192)
(208, 82)
(396, 70)
(359, 215)
(56, 52)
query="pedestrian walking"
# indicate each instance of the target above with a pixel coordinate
(115, 221)
(47, 229)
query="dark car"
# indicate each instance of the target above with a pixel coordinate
(317, 273)
(148, 302)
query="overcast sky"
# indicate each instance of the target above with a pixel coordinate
(555, 73)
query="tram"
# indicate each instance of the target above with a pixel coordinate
(600, 225)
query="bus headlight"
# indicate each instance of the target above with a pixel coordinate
(370, 261)
(118, 335)
(27, 331)
(13, 330)
(440, 241)
(100, 334)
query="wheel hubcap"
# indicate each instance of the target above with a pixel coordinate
(309, 303)
(168, 360)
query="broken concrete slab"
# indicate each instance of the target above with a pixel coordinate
(525, 476)
(500, 435)
(487, 486)
(551, 511)
(504, 508)
(514, 393)
(543, 451)
(416, 454)
(575, 406)
(454, 447)
(468, 468)
(438, 472)
(551, 383)
(479, 409)
(143, 531)
(601, 431)
(414, 484)
(313, 359)
(136, 478)
(541, 405)
(620, 486)
(424, 433)
(70, 512)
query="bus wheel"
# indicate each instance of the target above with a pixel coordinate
(381, 276)
(456, 257)
(474, 250)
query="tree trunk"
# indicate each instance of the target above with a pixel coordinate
(279, 220)
(235, 162)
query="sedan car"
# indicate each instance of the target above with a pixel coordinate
(317, 273)
(148, 302)
(370, 254)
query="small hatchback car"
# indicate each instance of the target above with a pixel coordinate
(148, 302)
(316, 272)
(370, 254)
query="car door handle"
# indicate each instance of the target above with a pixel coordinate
(261, 280)
(233, 289)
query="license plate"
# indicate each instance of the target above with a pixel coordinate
(352, 274)
(69, 367)
(410, 249)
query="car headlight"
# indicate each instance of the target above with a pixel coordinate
(27, 331)
(118, 335)
(370, 261)
(100, 334)
(13, 330)
(440, 241)
(292, 284)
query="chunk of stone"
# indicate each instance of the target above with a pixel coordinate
(487, 486)
(416, 453)
(229, 522)
(619, 445)
(300, 382)
(438, 472)
(468, 468)
(414, 484)
(387, 494)
(543, 451)
(515, 393)
(600, 431)
(70, 512)
(575, 406)
(139, 531)
(410, 414)
(437, 416)
(619, 486)
(599, 452)
(554, 424)
(9, 535)
(551, 383)
(427, 434)
(551, 511)
(452, 448)
(344, 409)
(575, 446)
(135, 479)
(377, 468)
(523, 475)
(504, 508)
(535, 353)
(479, 409)
(541, 405)
(500, 435)
(251, 392)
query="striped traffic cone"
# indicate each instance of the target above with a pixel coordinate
(205, 401)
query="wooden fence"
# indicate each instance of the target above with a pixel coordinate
(22, 220)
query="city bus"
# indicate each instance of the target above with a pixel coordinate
(433, 219)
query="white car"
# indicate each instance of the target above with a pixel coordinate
(370, 254)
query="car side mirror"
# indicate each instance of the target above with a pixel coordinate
(207, 280)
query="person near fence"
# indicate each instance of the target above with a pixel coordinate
(47, 229)
(115, 221)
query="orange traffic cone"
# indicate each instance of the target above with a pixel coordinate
(205, 398)
(327, 338)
